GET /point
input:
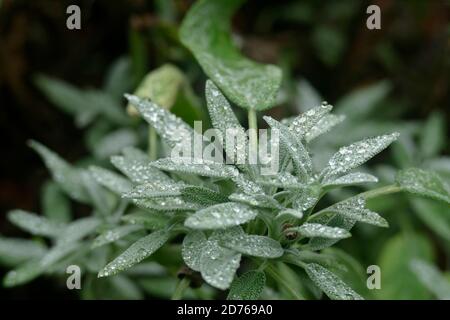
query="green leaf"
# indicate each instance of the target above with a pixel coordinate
(330, 284)
(199, 167)
(137, 252)
(311, 230)
(433, 137)
(67, 177)
(136, 165)
(431, 278)
(434, 214)
(152, 221)
(194, 244)
(14, 250)
(174, 131)
(55, 204)
(361, 102)
(221, 216)
(350, 179)
(35, 224)
(119, 78)
(325, 124)
(255, 200)
(307, 96)
(394, 261)
(114, 234)
(424, 183)
(100, 199)
(78, 229)
(352, 156)
(303, 123)
(155, 189)
(298, 153)
(114, 142)
(218, 265)
(256, 246)
(111, 180)
(248, 286)
(206, 32)
(202, 196)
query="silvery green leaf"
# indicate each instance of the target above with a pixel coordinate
(221, 216)
(155, 189)
(34, 224)
(257, 246)
(224, 120)
(68, 177)
(330, 284)
(218, 265)
(137, 252)
(111, 180)
(33, 268)
(306, 96)
(299, 155)
(433, 137)
(248, 286)
(152, 221)
(256, 200)
(166, 204)
(246, 185)
(424, 183)
(354, 209)
(303, 123)
(136, 166)
(206, 32)
(352, 156)
(78, 229)
(199, 167)
(282, 180)
(323, 126)
(311, 230)
(333, 220)
(55, 203)
(114, 234)
(100, 199)
(15, 250)
(114, 142)
(307, 197)
(201, 195)
(172, 130)
(194, 244)
(431, 278)
(291, 212)
(350, 179)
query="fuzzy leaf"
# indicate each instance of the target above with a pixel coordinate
(324, 125)
(174, 131)
(196, 166)
(155, 189)
(218, 265)
(78, 229)
(424, 183)
(206, 32)
(194, 244)
(34, 224)
(351, 179)
(311, 230)
(114, 234)
(15, 250)
(68, 177)
(55, 203)
(431, 278)
(166, 204)
(330, 284)
(256, 200)
(137, 252)
(248, 286)
(352, 156)
(299, 155)
(303, 123)
(111, 180)
(221, 216)
(201, 195)
(113, 142)
(257, 246)
(152, 221)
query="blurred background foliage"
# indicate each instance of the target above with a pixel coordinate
(396, 78)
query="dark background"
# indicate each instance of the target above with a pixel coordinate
(411, 50)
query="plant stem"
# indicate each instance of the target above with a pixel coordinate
(183, 284)
(152, 143)
(280, 280)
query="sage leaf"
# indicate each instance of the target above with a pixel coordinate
(325, 124)
(256, 246)
(202, 196)
(303, 123)
(34, 224)
(311, 230)
(221, 216)
(152, 221)
(424, 183)
(206, 32)
(248, 286)
(15, 250)
(111, 180)
(351, 179)
(193, 245)
(330, 284)
(137, 252)
(114, 234)
(431, 278)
